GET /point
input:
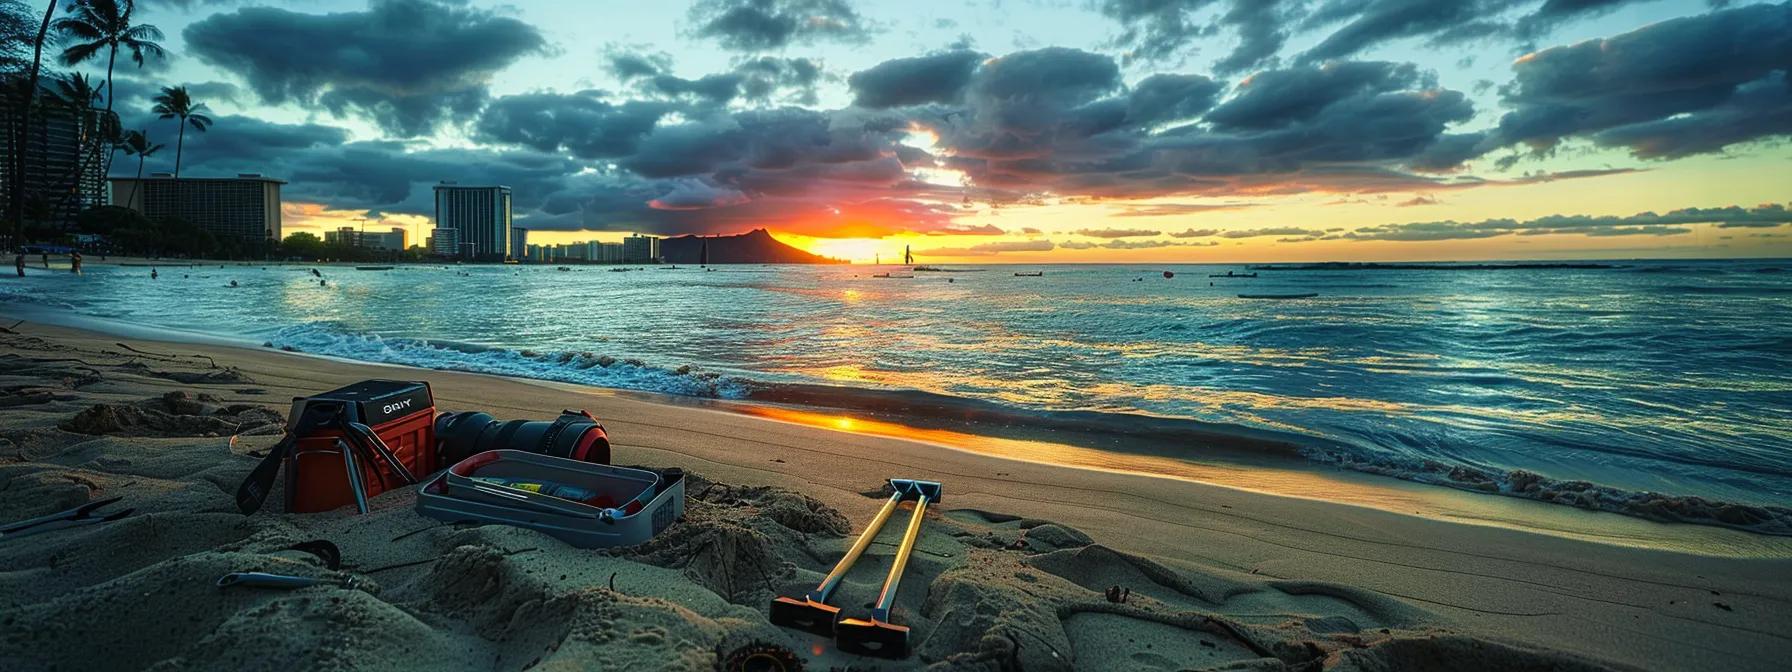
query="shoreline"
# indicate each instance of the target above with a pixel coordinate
(1274, 462)
(1623, 606)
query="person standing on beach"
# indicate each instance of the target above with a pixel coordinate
(18, 262)
(74, 263)
(46, 260)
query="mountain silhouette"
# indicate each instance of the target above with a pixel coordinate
(753, 247)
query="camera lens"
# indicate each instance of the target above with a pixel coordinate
(573, 435)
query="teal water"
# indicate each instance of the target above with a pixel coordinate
(1657, 377)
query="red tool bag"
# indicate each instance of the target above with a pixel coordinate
(347, 445)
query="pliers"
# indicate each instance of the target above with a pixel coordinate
(75, 517)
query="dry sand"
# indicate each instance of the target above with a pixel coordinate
(1219, 578)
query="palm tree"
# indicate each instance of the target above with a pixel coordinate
(137, 143)
(25, 100)
(77, 94)
(96, 25)
(174, 102)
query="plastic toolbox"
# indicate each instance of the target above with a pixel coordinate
(630, 506)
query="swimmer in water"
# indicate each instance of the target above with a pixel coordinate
(232, 283)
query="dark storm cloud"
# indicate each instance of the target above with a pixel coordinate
(764, 77)
(629, 64)
(1643, 224)
(936, 78)
(136, 93)
(1052, 74)
(967, 230)
(580, 123)
(716, 89)
(1278, 98)
(1671, 89)
(1154, 29)
(1261, 33)
(1554, 11)
(1131, 244)
(1371, 22)
(1116, 233)
(1170, 30)
(1161, 30)
(1161, 98)
(409, 65)
(988, 249)
(1272, 231)
(756, 78)
(243, 145)
(1177, 209)
(1335, 127)
(1018, 103)
(761, 25)
(1195, 233)
(1758, 109)
(1166, 30)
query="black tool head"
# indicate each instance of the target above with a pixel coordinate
(804, 614)
(872, 637)
(912, 489)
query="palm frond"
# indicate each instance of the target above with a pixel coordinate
(140, 49)
(134, 142)
(81, 53)
(199, 121)
(143, 32)
(70, 28)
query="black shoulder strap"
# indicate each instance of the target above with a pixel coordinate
(260, 482)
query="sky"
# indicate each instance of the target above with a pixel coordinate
(1012, 130)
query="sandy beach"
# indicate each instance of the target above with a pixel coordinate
(1010, 572)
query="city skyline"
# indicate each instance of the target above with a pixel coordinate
(1026, 132)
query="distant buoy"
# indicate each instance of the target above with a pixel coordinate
(1168, 275)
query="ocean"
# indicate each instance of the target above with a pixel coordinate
(1656, 388)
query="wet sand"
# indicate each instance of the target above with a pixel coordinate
(1219, 576)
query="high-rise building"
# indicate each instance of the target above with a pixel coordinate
(64, 171)
(519, 242)
(639, 248)
(609, 253)
(444, 242)
(482, 216)
(388, 240)
(246, 206)
(345, 235)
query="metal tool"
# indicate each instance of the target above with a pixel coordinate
(75, 517)
(811, 612)
(282, 581)
(371, 440)
(877, 636)
(354, 475)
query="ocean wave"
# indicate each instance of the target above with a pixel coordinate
(1216, 439)
(1691, 270)
(1743, 290)
(1760, 519)
(581, 367)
